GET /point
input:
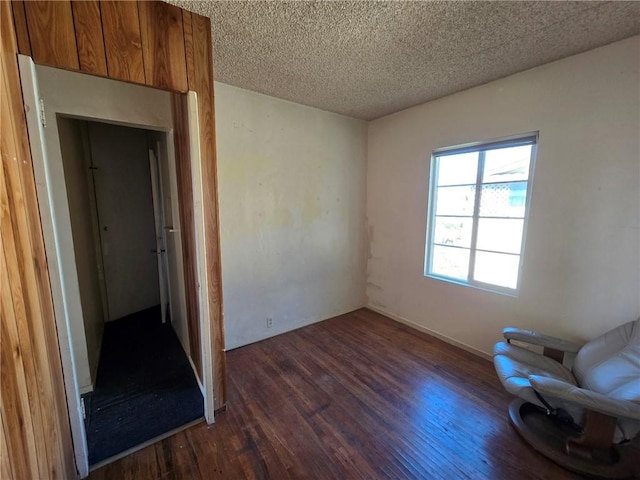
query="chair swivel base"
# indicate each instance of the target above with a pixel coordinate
(550, 439)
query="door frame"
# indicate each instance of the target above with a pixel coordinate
(54, 213)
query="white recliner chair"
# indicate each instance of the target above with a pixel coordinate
(587, 418)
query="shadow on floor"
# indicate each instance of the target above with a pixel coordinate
(145, 386)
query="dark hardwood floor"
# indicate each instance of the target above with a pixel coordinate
(356, 396)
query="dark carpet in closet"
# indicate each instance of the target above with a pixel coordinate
(145, 386)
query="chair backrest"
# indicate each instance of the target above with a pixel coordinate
(610, 364)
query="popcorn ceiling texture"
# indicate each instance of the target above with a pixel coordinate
(370, 59)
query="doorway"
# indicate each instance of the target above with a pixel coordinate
(51, 94)
(140, 384)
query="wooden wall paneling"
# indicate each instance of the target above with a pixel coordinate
(51, 34)
(121, 28)
(162, 37)
(33, 403)
(187, 231)
(22, 291)
(188, 49)
(22, 31)
(20, 440)
(89, 38)
(6, 469)
(202, 82)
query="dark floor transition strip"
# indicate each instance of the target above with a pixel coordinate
(145, 386)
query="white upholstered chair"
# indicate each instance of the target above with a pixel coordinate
(586, 418)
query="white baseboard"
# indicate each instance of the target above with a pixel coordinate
(433, 333)
(301, 325)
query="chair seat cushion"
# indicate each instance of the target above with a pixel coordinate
(514, 365)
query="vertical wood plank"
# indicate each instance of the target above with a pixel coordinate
(22, 31)
(6, 468)
(162, 37)
(89, 38)
(33, 402)
(51, 34)
(20, 441)
(187, 226)
(202, 82)
(188, 49)
(25, 306)
(121, 28)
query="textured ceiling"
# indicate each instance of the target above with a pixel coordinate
(369, 59)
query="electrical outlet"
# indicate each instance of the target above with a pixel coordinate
(269, 322)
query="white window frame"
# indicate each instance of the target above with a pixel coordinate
(481, 147)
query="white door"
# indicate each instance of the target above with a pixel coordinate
(161, 252)
(165, 156)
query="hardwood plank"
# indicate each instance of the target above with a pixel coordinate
(32, 391)
(89, 38)
(202, 82)
(163, 47)
(22, 31)
(356, 396)
(121, 28)
(187, 226)
(51, 34)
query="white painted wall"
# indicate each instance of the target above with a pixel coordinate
(292, 204)
(84, 247)
(581, 273)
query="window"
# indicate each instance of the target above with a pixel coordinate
(478, 208)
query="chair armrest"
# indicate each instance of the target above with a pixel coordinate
(587, 399)
(541, 339)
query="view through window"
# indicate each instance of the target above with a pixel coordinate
(478, 211)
